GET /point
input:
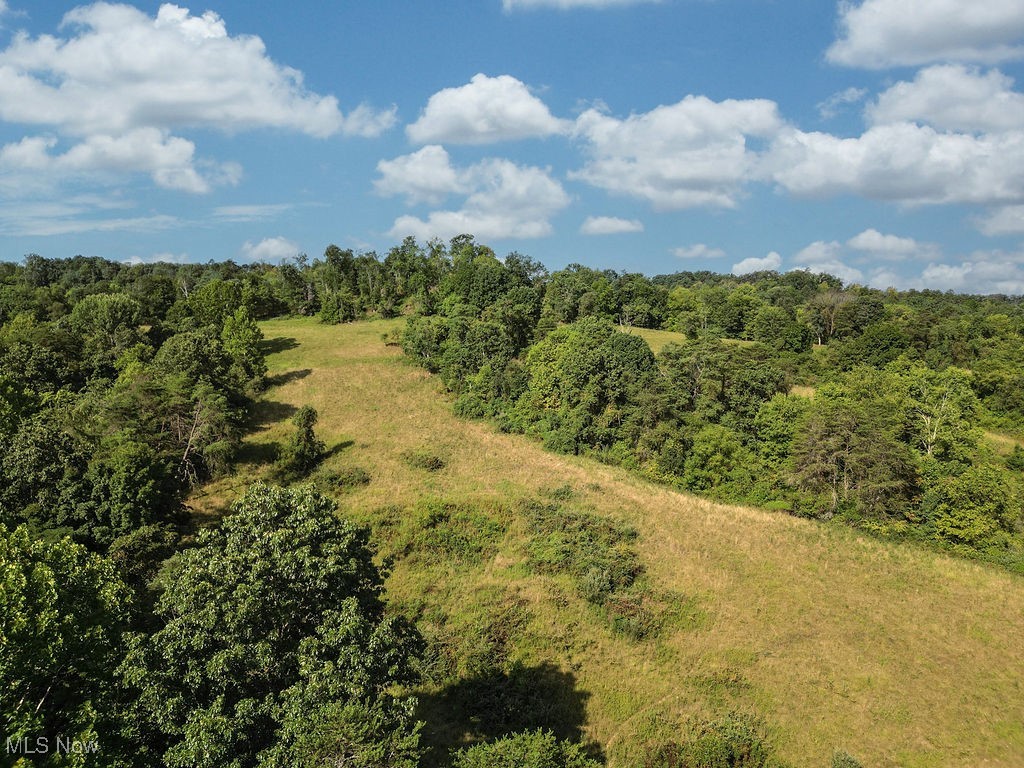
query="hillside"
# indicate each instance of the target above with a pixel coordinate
(897, 655)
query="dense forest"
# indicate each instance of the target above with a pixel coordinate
(267, 639)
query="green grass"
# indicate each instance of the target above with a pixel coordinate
(897, 655)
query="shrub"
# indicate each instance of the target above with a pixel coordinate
(351, 477)
(531, 749)
(735, 741)
(843, 759)
(1015, 460)
(304, 451)
(422, 458)
(595, 551)
(441, 532)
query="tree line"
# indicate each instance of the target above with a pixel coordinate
(886, 429)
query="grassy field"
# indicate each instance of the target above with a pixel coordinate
(901, 657)
(658, 339)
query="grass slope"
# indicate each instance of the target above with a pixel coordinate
(897, 655)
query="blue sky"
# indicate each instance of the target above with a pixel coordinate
(880, 140)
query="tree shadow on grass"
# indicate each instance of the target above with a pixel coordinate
(335, 449)
(286, 377)
(278, 344)
(266, 412)
(258, 453)
(491, 705)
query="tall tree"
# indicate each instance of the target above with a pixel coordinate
(274, 628)
(63, 613)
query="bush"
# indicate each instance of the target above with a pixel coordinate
(442, 532)
(843, 759)
(532, 749)
(304, 451)
(351, 477)
(1015, 460)
(423, 459)
(735, 741)
(595, 551)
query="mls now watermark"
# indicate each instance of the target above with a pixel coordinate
(59, 745)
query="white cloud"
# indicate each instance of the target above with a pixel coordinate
(511, 5)
(368, 122)
(44, 227)
(753, 264)
(425, 176)
(485, 110)
(1008, 220)
(269, 249)
(169, 160)
(831, 106)
(883, 33)
(953, 97)
(875, 245)
(692, 153)
(983, 273)
(122, 69)
(698, 251)
(114, 90)
(609, 225)
(502, 199)
(902, 162)
(824, 256)
(159, 258)
(243, 213)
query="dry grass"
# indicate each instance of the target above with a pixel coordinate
(1003, 444)
(900, 656)
(657, 340)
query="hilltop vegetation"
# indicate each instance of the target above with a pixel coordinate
(129, 396)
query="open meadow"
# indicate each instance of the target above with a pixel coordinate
(895, 654)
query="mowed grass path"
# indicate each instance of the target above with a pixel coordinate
(900, 656)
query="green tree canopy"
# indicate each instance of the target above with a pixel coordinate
(274, 627)
(63, 613)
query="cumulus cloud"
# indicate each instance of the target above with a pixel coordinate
(609, 225)
(984, 272)
(822, 256)
(754, 264)
(502, 199)
(831, 106)
(875, 245)
(1008, 220)
(122, 69)
(425, 176)
(368, 122)
(884, 33)
(269, 249)
(902, 162)
(169, 160)
(486, 110)
(512, 5)
(689, 154)
(116, 87)
(698, 251)
(953, 97)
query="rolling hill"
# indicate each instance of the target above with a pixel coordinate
(898, 655)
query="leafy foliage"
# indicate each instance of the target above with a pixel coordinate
(274, 628)
(532, 749)
(63, 614)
